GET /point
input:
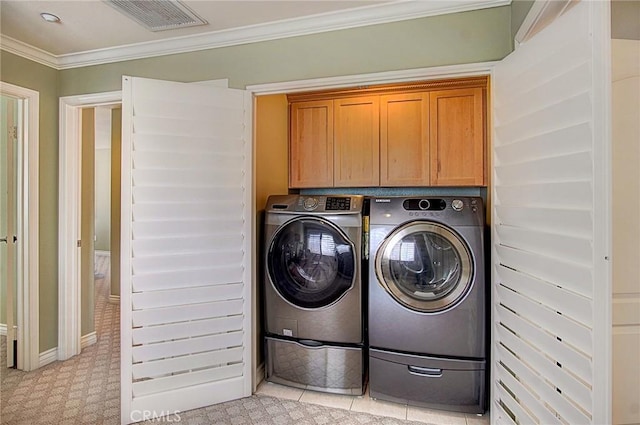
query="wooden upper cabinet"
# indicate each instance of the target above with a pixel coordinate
(430, 133)
(404, 139)
(311, 144)
(356, 142)
(457, 136)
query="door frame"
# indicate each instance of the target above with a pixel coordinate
(69, 213)
(28, 284)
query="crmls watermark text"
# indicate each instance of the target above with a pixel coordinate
(155, 416)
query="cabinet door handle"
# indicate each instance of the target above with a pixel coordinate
(425, 371)
(3, 240)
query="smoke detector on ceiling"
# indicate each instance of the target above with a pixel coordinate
(158, 15)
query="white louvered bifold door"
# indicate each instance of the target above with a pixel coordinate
(186, 238)
(551, 280)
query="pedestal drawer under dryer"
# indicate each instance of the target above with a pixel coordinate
(448, 384)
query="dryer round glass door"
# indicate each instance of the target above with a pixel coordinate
(311, 263)
(425, 266)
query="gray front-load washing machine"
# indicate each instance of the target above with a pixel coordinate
(427, 309)
(313, 292)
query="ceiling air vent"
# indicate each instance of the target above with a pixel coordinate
(158, 15)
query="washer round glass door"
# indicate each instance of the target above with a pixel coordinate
(311, 263)
(425, 266)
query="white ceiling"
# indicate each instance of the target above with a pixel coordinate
(92, 32)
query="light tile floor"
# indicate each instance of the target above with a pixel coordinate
(366, 404)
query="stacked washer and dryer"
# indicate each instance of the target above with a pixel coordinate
(313, 292)
(426, 298)
(427, 302)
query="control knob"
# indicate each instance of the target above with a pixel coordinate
(457, 204)
(310, 204)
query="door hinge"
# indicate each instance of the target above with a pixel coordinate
(79, 243)
(13, 132)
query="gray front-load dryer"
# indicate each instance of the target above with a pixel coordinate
(313, 292)
(427, 301)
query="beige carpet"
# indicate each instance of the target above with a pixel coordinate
(82, 390)
(86, 388)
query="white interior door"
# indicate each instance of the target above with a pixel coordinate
(551, 239)
(186, 247)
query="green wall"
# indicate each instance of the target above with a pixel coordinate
(31, 75)
(469, 37)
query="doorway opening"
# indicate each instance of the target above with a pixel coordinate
(76, 113)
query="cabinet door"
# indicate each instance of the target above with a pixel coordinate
(311, 149)
(457, 137)
(356, 142)
(404, 139)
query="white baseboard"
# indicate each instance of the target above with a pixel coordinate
(114, 299)
(48, 356)
(88, 339)
(102, 253)
(3, 329)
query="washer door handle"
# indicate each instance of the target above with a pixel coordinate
(425, 371)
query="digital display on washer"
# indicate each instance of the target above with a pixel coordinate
(423, 204)
(338, 204)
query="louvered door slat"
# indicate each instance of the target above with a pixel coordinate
(174, 382)
(571, 248)
(577, 194)
(546, 293)
(187, 278)
(571, 276)
(558, 142)
(180, 244)
(527, 397)
(507, 408)
(574, 361)
(163, 350)
(184, 313)
(572, 166)
(183, 178)
(186, 296)
(573, 389)
(184, 144)
(149, 334)
(184, 364)
(540, 366)
(572, 222)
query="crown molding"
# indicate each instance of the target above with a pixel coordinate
(28, 52)
(369, 15)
